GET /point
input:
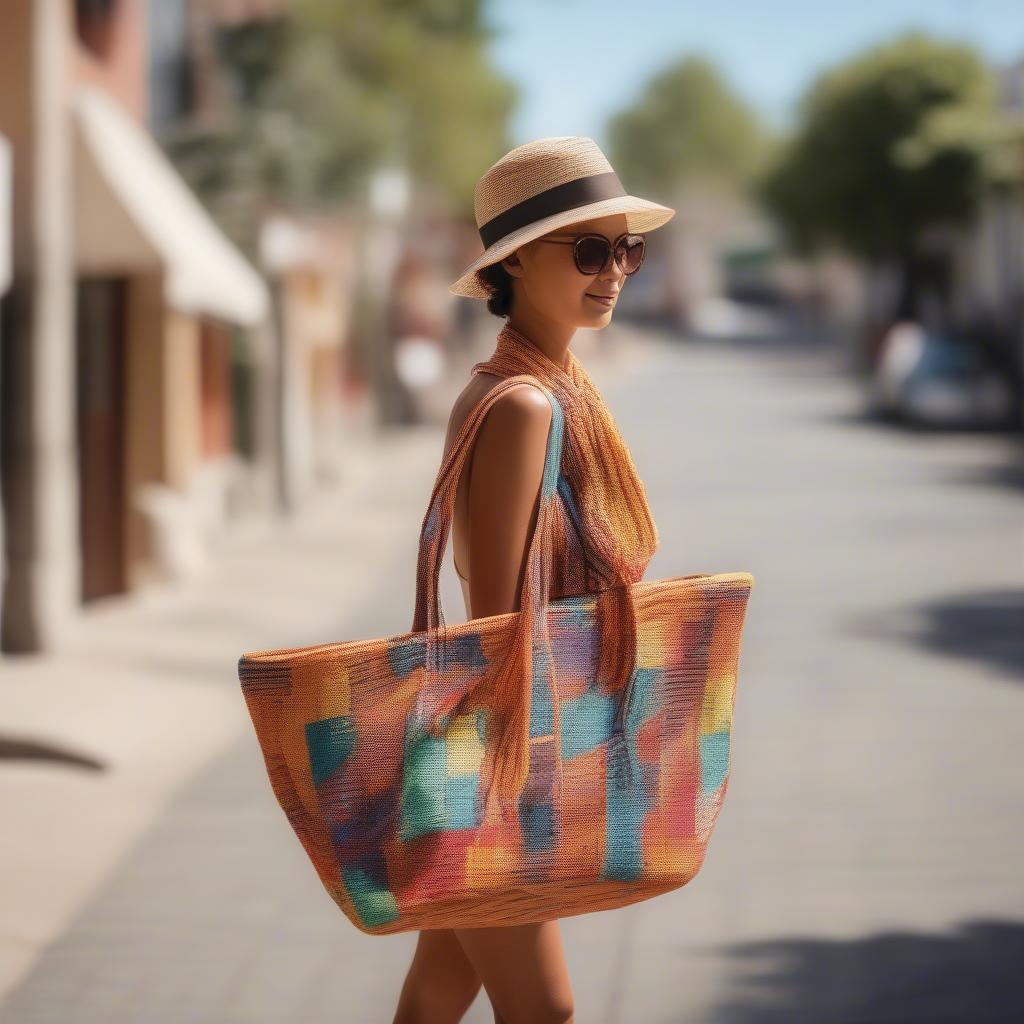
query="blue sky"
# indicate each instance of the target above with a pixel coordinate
(769, 51)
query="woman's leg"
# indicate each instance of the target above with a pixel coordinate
(523, 969)
(440, 985)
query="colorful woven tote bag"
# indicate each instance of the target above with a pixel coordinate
(439, 779)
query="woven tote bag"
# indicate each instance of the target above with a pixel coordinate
(382, 752)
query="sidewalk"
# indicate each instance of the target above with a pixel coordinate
(143, 695)
(145, 690)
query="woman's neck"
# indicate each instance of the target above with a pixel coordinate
(553, 339)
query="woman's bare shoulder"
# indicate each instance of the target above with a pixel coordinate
(516, 418)
(512, 440)
(507, 469)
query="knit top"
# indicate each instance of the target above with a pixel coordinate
(593, 535)
(602, 532)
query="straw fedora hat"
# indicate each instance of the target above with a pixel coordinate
(543, 185)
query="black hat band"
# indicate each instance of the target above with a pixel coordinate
(579, 192)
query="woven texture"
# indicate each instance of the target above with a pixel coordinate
(568, 757)
(531, 168)
(600, 502)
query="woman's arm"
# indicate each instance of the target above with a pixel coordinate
(504, 490)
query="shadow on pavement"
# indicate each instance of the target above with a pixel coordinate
(972, 976)
(1008, 475)
(985, 627)
(981, 627)
(21, 748)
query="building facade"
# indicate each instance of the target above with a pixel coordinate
(122, 439)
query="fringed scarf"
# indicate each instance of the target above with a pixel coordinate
(615, 521)
(607, 509)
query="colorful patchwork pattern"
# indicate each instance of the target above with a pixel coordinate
(393, 816)
(382, 752)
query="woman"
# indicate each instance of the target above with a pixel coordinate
(562, 235)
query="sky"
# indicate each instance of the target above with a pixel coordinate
(576, 62)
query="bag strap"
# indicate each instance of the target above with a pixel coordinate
(440, 511)
(511, 682)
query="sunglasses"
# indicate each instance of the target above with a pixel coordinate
(592, 251)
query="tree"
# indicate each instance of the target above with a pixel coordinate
(687, 126)
(445, 107)
(323, 96)
(691, 140)
(890, 146)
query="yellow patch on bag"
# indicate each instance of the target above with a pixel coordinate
(465, 744)
(716, 709)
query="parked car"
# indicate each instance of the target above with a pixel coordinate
(939, 381)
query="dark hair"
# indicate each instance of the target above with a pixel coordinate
(498, 281)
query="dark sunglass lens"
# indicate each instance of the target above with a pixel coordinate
(591, 254)
(632, 248)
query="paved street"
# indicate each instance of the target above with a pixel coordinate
(866, 866)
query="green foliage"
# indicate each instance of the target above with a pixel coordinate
(448, 107)
(322, 97)
(687, 125)
(889, 144)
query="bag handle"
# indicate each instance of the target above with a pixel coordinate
(441, 508)
(512, 680)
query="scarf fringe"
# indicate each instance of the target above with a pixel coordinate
(614, 514)
(613, 521)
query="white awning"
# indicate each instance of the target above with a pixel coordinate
(133, 210)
